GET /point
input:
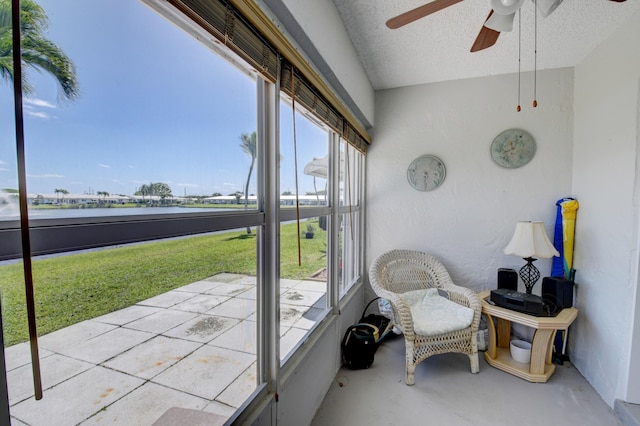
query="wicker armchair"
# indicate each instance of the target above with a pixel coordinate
(399, 271)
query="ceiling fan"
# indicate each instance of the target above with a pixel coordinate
(500, 18)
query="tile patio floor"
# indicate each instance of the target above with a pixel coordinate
(193, 347)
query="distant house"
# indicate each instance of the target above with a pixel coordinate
(77, 199)
(229, 199)
(285, 200)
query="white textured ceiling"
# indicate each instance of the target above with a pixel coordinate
(436, 48)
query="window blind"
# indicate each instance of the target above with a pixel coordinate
(224, 22)
(228, 25)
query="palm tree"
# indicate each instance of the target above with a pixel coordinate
(248, 145)
(59, 191)
(145, 190)
(104, 195)
(37, 51)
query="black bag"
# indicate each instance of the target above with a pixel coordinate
(359, 345)
(383, 323)
(361, 340)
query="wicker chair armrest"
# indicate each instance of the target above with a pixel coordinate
(406, 319)
(402, 311)
(467, 297)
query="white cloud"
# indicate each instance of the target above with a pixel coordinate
(2, 169)
(39, 103)
(38, 114)
(187, 185)
(2, 162)
(46, 176)
(33, 108)
(104, 166)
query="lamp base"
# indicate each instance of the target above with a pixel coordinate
(529, 274)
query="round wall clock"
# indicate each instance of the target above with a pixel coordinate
(426, 173)
(513, 148)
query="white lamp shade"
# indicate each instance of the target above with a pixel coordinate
(506, 7)
(500, 23)
(546, 7)
(530, 240)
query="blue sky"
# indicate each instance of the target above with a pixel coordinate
(155, 106)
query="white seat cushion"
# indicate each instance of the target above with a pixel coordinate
(433, 314)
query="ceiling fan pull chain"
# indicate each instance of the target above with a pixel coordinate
(535, 54)
(519, 55)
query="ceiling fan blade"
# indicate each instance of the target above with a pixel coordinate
(618, 1)
(419, 12)
(486, 37)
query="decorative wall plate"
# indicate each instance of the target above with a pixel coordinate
(426, 173)
(513, 148)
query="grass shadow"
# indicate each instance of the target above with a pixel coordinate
(244, 236)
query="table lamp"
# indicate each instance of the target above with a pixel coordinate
(530, 240)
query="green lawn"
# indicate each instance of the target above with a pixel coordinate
(76, 287)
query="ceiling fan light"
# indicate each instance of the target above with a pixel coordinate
(546, 7)
(500, 23)
(506, 7)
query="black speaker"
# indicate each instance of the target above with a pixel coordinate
(507, 278)
(558, 291)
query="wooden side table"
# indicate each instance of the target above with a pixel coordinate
(498, 355)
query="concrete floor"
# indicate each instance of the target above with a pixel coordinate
(131, 366)
(193, 348)
(446, 393)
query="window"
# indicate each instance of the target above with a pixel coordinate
(150, 221)
(303, 270)
(350, 194)
(161, 142)
(311, 147)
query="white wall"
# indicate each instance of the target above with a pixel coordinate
(605, 181)
(322, 38)
(468, 221)
(322, 24)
